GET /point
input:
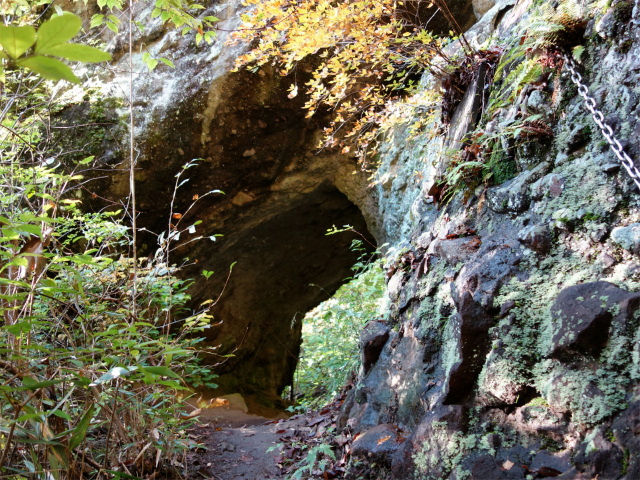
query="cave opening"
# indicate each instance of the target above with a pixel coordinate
(285, 265)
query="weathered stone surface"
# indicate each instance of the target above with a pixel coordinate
(373, 338)
(606, 260)
(496, 387)
(599, 232)
(598, 457)
(557, 399)
(456, 250)
(463, 121)
(550, 185)
(467, 114)
(481, 319)
(486, 467)
(378, 444)
(506, 307)
(536, 237)
(627, 237)
(538, 104)
(471, 324)
(434, 436)
(425, 240)
(513, 195)
(480, 7)
(582, 315)
(395, 284)
(626, 432)
(392, 390)
(539, 419)
(560, 461)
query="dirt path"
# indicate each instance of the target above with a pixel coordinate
(236, 444)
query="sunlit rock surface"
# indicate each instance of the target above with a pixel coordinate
(515, 352)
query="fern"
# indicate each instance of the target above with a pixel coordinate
(551, 26)
(524, 73)
(547, 27)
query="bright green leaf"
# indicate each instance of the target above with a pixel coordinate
(168, 62)
(19, 262)
(17, 40)
(61, 414)
(79, 53)
(49, 68)
(96, 20)
(57, 30)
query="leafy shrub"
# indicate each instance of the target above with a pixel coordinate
(95, 353)
(77, 366)
(368, 55)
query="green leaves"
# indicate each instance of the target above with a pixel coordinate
(149, 61)
(17, 40)
(81, 429)
(163, 371)
(57, 30)
(52, 40)
(79, 53)
(32, 384)
(49, 68)
(330, 331)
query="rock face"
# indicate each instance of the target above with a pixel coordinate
(514, 351)
(254, 144)
(516, 355)
(581, 317)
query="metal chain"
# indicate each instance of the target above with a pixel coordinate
(598, 117)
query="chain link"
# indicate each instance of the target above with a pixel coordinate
(598, 117)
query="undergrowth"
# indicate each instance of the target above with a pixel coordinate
(96, 353)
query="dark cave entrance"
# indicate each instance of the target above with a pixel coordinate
(286, 265)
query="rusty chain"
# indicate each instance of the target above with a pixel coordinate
(598, 117)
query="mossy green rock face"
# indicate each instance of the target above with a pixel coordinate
(525, 349)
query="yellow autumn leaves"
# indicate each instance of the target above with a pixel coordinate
(369, 54)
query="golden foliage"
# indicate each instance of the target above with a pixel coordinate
(369, 57)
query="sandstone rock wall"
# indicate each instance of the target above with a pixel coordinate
(256, 146)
